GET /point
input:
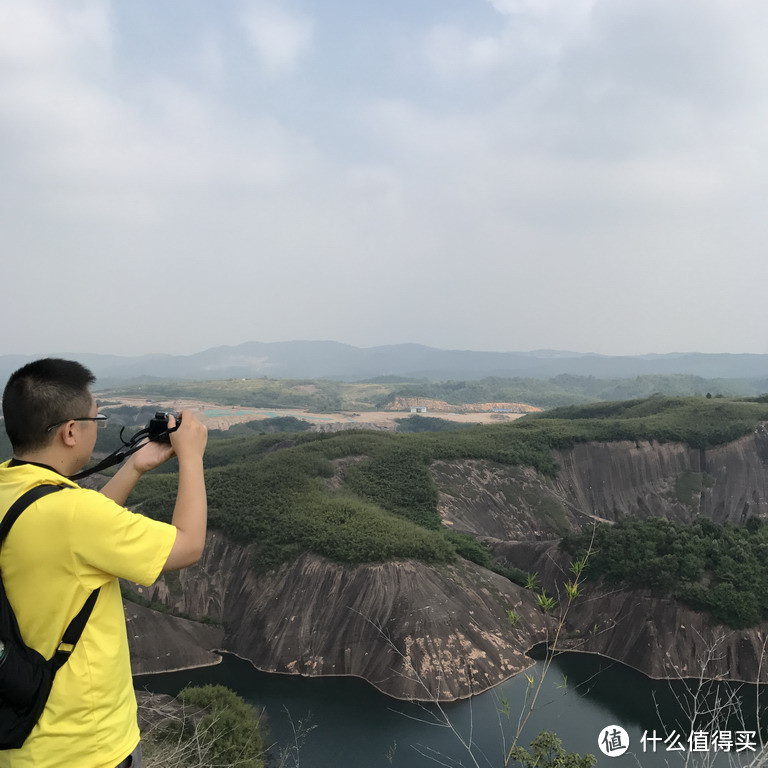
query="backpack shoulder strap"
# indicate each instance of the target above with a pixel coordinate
(77, 625)
(24, 501)
(73, 631)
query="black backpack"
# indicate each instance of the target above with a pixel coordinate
(26, 676)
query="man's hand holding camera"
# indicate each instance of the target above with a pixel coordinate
(188, 440)
(187, 443)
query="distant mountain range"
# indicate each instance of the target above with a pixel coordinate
(332, 360)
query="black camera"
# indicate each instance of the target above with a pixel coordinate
(158, 428)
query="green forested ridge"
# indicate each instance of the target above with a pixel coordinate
(721, 569)
(698, 421)
(374, 394)
(567, 389)
(274, 490)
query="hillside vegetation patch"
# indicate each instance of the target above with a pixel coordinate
(272, 491)
(720, 569)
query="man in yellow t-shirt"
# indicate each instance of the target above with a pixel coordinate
(71, 542)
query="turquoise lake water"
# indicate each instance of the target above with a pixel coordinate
(355, 726)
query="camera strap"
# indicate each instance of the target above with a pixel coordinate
(138, 441)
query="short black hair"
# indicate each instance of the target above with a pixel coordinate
(43, 393)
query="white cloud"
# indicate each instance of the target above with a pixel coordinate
(451, 50)
(530, 34)
(36, 34)
(280, 37)
(210, 58)
(65, 130)
(552, 9)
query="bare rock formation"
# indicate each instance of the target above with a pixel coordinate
(606, 482)
(412, 630)
(160, 642)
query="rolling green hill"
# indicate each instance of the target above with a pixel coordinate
(365, 497)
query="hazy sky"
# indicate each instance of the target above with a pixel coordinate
(588, 175)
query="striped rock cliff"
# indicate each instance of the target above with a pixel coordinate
(412, 630)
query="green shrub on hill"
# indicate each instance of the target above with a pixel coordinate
(721, 569)
(281, 503)
(268, 426)
(471, 549)
(416, 423)
(398, 480)
(215, 727)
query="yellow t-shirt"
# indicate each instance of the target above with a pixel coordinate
(59, 550)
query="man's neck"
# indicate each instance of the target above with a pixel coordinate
(19, 462)
(48, 459)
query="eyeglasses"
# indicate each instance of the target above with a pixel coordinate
(100, 419)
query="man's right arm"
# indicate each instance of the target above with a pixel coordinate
(190, 514)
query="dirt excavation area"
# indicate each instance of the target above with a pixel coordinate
(224, 416)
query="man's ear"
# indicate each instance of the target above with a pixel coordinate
(68, 434)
